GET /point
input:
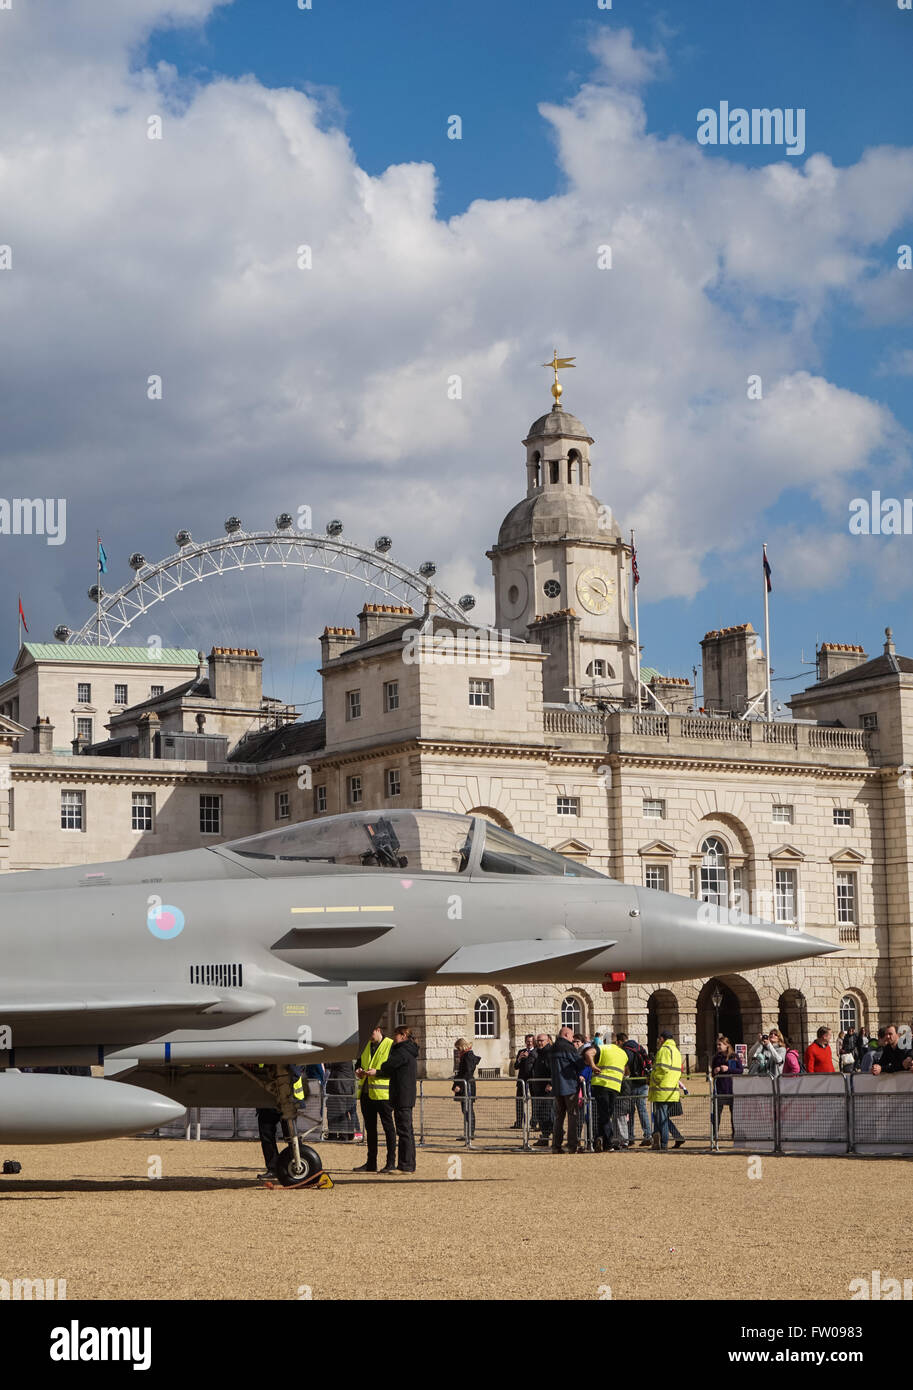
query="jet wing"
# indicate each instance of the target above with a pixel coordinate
(490, 957)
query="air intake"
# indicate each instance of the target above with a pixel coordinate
(220, 976)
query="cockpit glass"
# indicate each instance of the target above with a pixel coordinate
(505, 853)
(422, 842)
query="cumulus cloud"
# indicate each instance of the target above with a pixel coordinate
(333, 386)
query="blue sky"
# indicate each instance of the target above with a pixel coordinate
(824, 305)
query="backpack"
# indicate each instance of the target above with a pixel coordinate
(760, 1065)
(638, 1062)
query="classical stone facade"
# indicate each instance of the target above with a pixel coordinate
(535, 727)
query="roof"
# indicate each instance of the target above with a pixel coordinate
(885, 665)
(287, 742)
(131, 656)
(558, 422)
(438, 622)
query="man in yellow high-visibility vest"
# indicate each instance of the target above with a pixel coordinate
(610, 1066)
(665, 1088)
(374, 1093)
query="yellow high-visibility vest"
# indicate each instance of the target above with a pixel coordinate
(298, 1089)
(612, 1061)
(666, 1075)
(378, 1086)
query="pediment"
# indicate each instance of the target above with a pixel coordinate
(847, 856)
(572, 847)
(658, 847)
(787, 852)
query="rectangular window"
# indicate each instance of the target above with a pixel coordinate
(657, 876)
(869, 721)
(735, 891)
(353, 704)
(481, 693)
(353, 785)
(783, 814)
(143, 809)
(846, 897)
(393, 783)
(84, 729)
(72, 810)
(83, 693)
(282, 806)
(693, 880)
(120, 694)
(598, 668)
(654, 810)
(210, 815)
(155, 691)
(391, 696)
(320, 799)
(843, 815)
(785, 895)
(569, 806)
(12, 816)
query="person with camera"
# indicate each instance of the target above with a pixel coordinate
(767, 1056)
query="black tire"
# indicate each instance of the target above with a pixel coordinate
(286, 1171)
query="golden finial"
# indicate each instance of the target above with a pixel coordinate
(555, 363)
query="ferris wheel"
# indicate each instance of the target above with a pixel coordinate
(238, 550)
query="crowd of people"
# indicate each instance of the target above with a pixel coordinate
(627, 1085)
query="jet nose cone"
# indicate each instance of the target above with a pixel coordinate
(685, 938)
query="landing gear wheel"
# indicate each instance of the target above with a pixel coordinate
(293, 1172)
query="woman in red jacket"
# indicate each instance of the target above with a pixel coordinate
(818, 1056)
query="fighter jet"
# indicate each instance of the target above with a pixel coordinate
(199, 977)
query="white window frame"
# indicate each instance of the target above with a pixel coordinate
(355, 790)
(869, 721)
(87, 687)
(481, 693)
(210, 812)
(155, 691)
(653, 801)
(142, 801)
(394, 782)
(711, 870)
(282, 806)
(853, 885)
(845, 1022)
(485, 1015)
(353, 704)
(568, 806)
(73, 800)
(788, 818)
(320, 799)
(840, 811)
(82, 720)
(572, 1017)
(786, 892)
(662, 873)
(391, 696)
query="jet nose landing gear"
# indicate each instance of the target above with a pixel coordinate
(300, 1166)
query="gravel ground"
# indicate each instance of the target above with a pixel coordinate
(509, 1226)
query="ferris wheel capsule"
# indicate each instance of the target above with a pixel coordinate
(62, 632)
(334, 528)
(136, 561)
(96, 592)
(183, 538)
(233, 524)
(427, 568)
(284, 521)
(466, 602)
(383, 544)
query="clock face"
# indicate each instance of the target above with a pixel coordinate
(595, 590)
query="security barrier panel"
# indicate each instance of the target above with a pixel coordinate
(813, 1114)
(752, 1111)
(882, 1113)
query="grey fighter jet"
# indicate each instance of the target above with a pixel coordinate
(199, 977)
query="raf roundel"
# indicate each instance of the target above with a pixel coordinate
(165, 922)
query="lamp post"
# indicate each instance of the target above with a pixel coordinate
(716, 999)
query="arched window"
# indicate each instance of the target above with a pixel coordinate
(573, 463)
(572, 1013)
(849, 1013)
(399, 1014)
(714, 878)
(536, 469)
(485, 1013)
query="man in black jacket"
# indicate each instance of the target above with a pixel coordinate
(402, 1068)
(893, 1058)
(540, 1089)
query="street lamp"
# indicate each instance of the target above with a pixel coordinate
(716, 999)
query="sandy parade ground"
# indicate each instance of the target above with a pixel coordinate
(497, 1225)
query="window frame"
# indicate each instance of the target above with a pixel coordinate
(488, 693)
(79, 803)
(353, 704)
(351, 800)
(391, 696)
(87, 687)
(120, 685)
(278, 803)
(488, 1012)
(663, 871)
(389, 774)
(653, 801)
(784, 900)
(843, 811)
(573, 802)
(789, 818)
(213, 797)
(853, 876)
(147, 805)
(320, 794)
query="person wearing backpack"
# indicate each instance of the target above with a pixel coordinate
(768, 1055)
(638, 1077)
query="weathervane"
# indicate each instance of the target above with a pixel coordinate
(555, 363)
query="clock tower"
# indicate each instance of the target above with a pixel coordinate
(561, 568)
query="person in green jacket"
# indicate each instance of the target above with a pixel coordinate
(664, 1089)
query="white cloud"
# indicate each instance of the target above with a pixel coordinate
(329, 386)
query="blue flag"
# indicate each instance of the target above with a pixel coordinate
(102, 559)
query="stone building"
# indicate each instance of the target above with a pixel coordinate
(535, 726)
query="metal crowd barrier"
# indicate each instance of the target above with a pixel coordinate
(839, 1113)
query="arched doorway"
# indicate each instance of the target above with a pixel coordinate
(792, 1018)
(662, 1012)
(740, 1015)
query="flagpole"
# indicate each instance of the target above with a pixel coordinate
(636, 632)
(767, 633)
(19, 626)
(97, 589)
